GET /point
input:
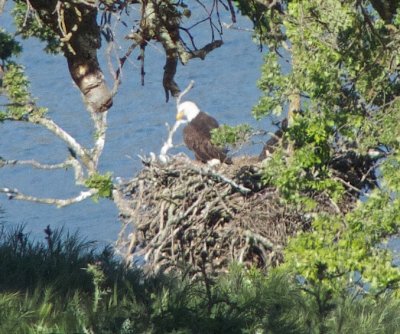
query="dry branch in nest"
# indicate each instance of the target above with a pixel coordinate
(186, 214)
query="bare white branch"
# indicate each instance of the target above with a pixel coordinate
(35, 164)
(87, 162)
(233, 26)
(184, 92)
(100, 123)
(68, 139)
(78, 171)
(168, 143)
(15, 194)
(69, 162)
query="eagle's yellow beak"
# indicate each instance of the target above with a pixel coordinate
(180, 115)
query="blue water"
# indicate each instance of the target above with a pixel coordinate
(225, 86)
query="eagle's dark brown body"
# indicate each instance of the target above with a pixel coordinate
(197, 137)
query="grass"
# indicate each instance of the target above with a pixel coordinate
(65, 285)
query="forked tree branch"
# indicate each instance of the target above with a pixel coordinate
(35, 164)
(184, 92)
(83, 161)
(168, 143)
(69, 162)
(100, 123)
(15, 194)
(71, 142)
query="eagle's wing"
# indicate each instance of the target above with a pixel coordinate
(200, 143)
(208, 123)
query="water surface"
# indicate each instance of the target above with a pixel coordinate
(225, 86)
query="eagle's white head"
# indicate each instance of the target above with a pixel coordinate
(187, 110)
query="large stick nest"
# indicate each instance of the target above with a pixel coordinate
(184, 214)
(203, 218)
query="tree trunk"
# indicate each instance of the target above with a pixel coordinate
(77, 28)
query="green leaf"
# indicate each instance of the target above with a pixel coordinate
(103, 183)
(231, 135)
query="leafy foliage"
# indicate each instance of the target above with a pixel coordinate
(275, 87)
(103, 183)
(322, 259)
(16, 88)
(8, 46)
(334, 65)
(231, 135)
(29, 25)
(266, 25)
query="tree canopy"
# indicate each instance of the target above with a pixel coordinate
(342, 94)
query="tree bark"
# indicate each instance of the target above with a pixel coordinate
(77, 28)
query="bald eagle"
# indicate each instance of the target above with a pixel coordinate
(197, 133)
